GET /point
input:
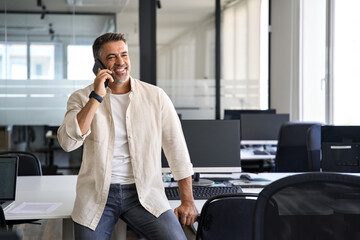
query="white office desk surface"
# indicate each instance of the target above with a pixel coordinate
(47, 189)
(61, 188)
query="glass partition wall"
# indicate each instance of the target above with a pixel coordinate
(244, 46)
(186, 56)
(43, 60)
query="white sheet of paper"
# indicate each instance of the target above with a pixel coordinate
(35, 207)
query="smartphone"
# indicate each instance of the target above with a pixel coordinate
(98, 64)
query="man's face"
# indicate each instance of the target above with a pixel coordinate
(115, 57)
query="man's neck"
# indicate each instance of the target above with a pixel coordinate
(120, 88)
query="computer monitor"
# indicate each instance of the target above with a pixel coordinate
(214, 146)
(261, 129)
(340, 148)
(235, 114)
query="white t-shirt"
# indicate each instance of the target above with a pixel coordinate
(122, 171)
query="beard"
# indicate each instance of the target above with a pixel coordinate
(121, 78)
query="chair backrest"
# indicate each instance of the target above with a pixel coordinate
(29, 164)
(9, 235)
(2, 219)
(309, 206)
(227, 216)
(340, 148)
(313, 143)
(292, 152)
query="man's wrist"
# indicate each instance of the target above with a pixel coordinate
(95, 96)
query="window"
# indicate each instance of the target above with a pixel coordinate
(330, 97)
(244, 55)
(313, 61)
(80, 62)
(346, 74)
(14, 63)
(42, 61)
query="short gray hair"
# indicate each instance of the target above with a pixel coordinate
(105, 38)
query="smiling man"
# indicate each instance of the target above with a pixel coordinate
(123, 127)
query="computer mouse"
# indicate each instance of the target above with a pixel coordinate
(245, 176)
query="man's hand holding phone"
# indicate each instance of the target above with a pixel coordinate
(103, 76)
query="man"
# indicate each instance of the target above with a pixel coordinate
(122, 128)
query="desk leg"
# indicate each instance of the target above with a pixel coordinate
(68, 229)
(119, 232)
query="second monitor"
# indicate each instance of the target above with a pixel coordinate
(260, 129)
(236, 113)
(214, 145)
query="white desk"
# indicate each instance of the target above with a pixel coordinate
(52, 189)
(61, 188)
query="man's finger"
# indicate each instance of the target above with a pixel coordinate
(183, 220)
(176, 213)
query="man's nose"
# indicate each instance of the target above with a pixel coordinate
(119, 60)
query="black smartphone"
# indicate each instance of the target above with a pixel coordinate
(98, 64)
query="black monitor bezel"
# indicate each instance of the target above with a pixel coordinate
(209, 169)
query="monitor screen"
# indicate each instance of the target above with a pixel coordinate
(340, 148)
(235, 114)
(261, 128)
(8, 177)
(214, 145)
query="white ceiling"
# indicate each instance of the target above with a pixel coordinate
(173, 17)
(63, 6)
(104, 6)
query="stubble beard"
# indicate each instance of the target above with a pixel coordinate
(121, 79)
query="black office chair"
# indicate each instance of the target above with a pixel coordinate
(2, 219)
(292, 152)
(313, 143)
(311, 206)
(227, 216)
(8, 235)
(29, 165)
(340, 149)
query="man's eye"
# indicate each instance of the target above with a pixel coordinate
(111, 58)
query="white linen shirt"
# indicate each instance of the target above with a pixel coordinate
(151, 122)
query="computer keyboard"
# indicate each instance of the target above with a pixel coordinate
(264, 152)
(205, 192)
(260, 152)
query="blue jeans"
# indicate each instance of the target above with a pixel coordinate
(123, 203)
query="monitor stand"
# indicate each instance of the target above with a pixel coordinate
(201, 182)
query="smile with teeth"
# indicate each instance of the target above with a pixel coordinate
(120, 70)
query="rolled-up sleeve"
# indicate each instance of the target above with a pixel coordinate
(69, 133)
